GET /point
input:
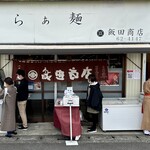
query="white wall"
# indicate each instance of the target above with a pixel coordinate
(74, 22)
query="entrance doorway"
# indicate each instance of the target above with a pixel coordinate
(41, 103)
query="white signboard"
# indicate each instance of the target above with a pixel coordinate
(75, 22)
(133, 74)
(129, 74)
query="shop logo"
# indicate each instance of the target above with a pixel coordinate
(32, 75)
(100, 33)
(106, 111)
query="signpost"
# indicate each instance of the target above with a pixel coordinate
(71, 142)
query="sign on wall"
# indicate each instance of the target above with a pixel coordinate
(133, 74)
(75, 22)
(113, 79)
(62, 71)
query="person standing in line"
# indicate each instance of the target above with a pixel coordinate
(146, 108)
(94, 101)
(8, 117)
(22, 96)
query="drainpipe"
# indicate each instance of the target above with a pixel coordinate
(55, 84)
(143, 70)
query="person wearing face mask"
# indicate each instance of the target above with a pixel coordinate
(8, 117)
(22, 96)
(94, 101)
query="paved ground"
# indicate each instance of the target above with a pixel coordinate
(47, 133)
(81, 146)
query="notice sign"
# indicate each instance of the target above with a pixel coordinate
(133, 74)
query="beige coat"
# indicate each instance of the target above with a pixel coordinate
(8, 120)
(146, 106)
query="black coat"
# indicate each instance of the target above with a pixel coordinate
(94, 97)
(22, 90)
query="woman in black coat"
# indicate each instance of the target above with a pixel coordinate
(94, 101)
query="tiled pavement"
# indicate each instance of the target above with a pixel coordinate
(47, 133)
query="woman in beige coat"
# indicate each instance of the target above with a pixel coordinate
(8, 120)
(146, 108)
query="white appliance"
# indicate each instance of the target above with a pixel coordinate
(121, 114)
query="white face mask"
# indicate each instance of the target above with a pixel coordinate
(18, 78)
(5, 85)
(89, 81)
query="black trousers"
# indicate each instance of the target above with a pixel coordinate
(94, 120)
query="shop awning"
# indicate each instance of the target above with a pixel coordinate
(75, 49)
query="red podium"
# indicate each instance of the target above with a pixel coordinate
(62, 120)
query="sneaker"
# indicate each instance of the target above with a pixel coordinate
(8, 135)
(77, 137)
(14, 132)
(89, 128)
(19, 125)
(146, 132)
(23, 128)
(92, 131)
